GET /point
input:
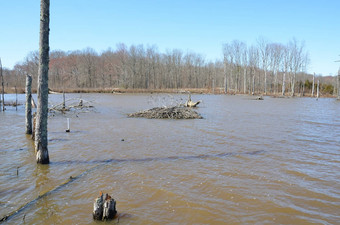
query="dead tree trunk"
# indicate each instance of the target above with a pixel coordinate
(16, 98)
(28, 104)
(317, 90)
(244, 80)
(284, 83)
(293, 84)
(3, 88)
(98, 208)
(42, 109)
(213, 86)
(225, 79)
(109, 209)
(104, 208)
(338, 85)
(253, 90)
(64, 100)
(313, 85)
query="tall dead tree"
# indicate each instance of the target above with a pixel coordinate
(298, 59)
(42, 109)
(285, 66)
(318, 90)
(253, 62)
(313, 85)
(338, 84)
(264, 50)
(225, 77)
(2, 85)
(227, 61)
(28, 104)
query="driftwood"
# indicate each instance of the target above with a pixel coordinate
(190, 103)
(73, 104)
(176, 112)
(104, 208)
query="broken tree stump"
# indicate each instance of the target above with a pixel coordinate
(109, 210)
(104, 208)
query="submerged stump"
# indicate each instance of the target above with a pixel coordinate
(176, 112)
(104, 208)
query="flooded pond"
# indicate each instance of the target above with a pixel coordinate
(275, 161)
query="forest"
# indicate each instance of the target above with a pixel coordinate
(267, 68)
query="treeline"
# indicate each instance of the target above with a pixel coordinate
(259, 69)
(133, 67)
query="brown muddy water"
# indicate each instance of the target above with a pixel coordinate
(275, 161)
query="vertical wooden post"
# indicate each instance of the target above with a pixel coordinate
(253, 90)
(317, 90)
(41, 140)
(213, 86)
(68, 125)
(64, 105)
(303, 89)
(28, 104)
(16, 98)
(313, 85)
(244, 80)
(338, 84)
(225, 77)
(284, 83)
(3, 88)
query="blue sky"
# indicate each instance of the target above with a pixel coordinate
(190, 25)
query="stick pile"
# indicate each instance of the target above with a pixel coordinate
(176, 112)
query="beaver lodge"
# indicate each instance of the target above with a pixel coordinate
(175, 112)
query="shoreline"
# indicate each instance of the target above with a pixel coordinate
(217, 91)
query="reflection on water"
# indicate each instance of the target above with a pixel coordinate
(275, 161)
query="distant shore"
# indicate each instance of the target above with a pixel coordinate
(216, 91)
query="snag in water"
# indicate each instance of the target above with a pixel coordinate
(104, 209)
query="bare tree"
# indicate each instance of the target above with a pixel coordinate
(276, 55)
(297, 61)
(3, 88)
(254, 63)
(41, 140)
(285, 66)
(244, 53)
(229, 61)
(338, 84)
(265, 54)
(313, 84)
(318, 90)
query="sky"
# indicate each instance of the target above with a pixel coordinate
(189, 25)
